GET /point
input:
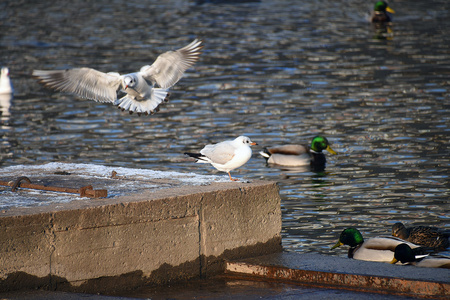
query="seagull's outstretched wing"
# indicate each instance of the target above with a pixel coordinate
(170, 66)
(84, 82)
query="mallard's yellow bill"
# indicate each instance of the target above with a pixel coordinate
(388, 9)
(338, 244)
(330, 150)
(394, 261)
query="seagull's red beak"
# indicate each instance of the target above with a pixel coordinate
(126, 87)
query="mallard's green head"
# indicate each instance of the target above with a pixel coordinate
(383, 7)
(404, 254)
(320, 143)
(350, 236)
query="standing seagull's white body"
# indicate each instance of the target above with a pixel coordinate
(6, 94)
(5, 82)
(226, 156)
(145, 90)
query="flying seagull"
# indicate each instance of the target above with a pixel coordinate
(140, 92)
(226, 156)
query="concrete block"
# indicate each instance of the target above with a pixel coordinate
(102, 251)
(25, 245)
(153, 236)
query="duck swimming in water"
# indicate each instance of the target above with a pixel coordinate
(380, 13)
(298, 155)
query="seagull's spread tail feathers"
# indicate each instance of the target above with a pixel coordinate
(200, 158)
(149, 106)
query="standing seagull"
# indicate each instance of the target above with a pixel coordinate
(5, 82)
(144, 90)
(6, 94)
(226, 156)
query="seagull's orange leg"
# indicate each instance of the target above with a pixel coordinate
(232, 178)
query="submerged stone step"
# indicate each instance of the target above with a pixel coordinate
(338, 272)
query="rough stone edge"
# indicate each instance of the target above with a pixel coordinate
(361, 283)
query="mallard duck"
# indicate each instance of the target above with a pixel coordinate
(298, 155)
(422, 235)
(379, 249)
(380, 13)
(419, 257)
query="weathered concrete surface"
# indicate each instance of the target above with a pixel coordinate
(218, 288)
(152, 236)
(338, 272)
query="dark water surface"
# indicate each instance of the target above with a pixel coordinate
(277, 71)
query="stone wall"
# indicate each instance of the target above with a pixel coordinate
(154, 237)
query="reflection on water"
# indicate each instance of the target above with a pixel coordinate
(5, 104)
(275, 71)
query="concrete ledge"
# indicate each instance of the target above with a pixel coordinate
(338, 272)
(150, 237)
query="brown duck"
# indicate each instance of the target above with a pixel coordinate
(422, 235)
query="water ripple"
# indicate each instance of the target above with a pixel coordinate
(278, 72)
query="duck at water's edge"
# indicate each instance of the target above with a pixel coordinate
(419, 257)
(379, 248)
(422, 235)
